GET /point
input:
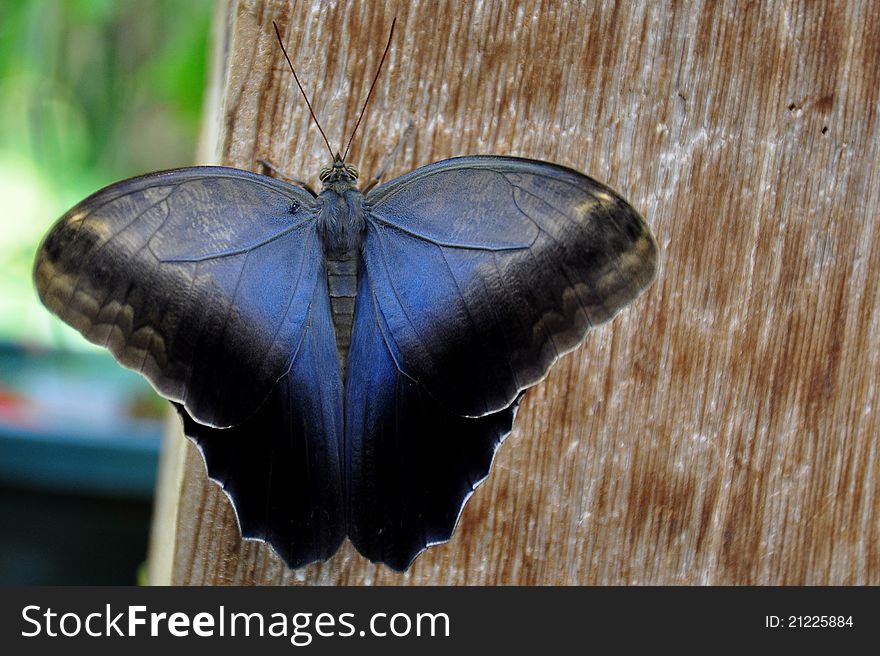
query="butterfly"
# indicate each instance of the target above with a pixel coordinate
(347, 361)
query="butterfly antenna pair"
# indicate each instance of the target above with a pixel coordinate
(309, 105)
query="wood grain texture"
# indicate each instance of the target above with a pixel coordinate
(722, 430)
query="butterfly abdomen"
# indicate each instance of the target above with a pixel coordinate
(342, 281)
(341, 226)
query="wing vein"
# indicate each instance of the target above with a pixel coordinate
(222, 337)
(446, 244)
(409, 320)
(562, 267)
(232, 253)
(293, 289)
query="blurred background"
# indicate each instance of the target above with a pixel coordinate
(93, 91)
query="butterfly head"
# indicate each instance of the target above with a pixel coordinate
(338, 172)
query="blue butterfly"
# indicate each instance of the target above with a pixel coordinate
(347, 362)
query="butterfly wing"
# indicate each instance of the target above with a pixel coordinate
(198, 278)
(478, 273)
(281, 467)
(487, 269)
(410, 465)
(210, 281)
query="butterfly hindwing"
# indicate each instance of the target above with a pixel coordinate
(199, 278)
(486, 269)
(410, 464)
(281, 467)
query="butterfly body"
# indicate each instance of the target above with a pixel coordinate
(347, 363)
(340, 209)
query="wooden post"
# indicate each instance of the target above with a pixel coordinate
(722, 430)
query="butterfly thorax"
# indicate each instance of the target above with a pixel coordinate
(340, 209)
(342, 227)
(341, 220)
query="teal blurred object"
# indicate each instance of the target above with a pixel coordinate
(79, 448)
(77, 422)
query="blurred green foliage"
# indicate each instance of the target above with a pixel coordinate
(91, 91)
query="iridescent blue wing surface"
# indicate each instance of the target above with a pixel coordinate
(210, 282)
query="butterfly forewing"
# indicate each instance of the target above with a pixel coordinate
(200, 279)
(480, 309)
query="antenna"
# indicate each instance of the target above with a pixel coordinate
(302, 91)
(372, 86)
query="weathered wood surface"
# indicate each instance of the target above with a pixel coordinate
(722, 430)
